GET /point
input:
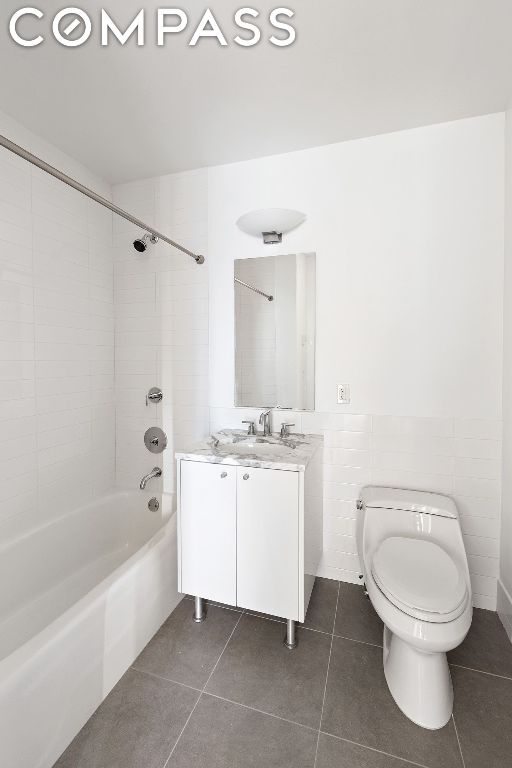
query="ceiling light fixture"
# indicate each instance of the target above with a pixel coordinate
(270, 223)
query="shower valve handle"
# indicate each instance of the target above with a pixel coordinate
(154, 395)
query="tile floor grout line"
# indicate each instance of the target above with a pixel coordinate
(458, 742)
(202, 691)
(319, 631)
(183, 729)
(277, 620)
(374, 749)
(222, 652)
(353, 640)
(260, 711)
(166, 679)
(480, 671)
(327, 676)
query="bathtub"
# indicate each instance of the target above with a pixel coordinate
(79, 599)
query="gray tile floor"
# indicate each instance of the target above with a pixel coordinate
(228, 694)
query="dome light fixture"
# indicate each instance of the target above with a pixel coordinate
(270, 223)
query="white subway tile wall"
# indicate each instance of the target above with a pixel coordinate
(457, 457)
(161, 299)
(57, 408)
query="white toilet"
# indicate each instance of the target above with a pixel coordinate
(416, 573)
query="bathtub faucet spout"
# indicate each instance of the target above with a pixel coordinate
(155, 472)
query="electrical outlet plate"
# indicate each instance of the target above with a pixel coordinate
(343, 394)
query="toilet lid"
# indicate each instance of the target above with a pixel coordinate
(419, 576)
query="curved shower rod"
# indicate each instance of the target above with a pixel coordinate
(29, 157)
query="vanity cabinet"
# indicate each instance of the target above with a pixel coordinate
(249, 537)
(207, 531)
(267, 534)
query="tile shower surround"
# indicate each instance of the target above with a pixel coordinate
(87, 326)
(57, 405)
(161, 299)
(458, 457)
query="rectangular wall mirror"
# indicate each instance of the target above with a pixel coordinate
(275, 314)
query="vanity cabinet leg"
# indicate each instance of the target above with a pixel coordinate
(291, 635)
(199, 610)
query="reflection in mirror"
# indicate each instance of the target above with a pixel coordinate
(275, 331)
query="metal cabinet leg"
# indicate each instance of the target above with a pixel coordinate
(291, 635)
(199, 610)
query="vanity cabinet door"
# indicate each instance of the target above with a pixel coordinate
(207, 531)
(268, 541)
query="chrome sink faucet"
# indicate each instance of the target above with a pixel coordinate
(265, 420)
(155, 472)
(285, 430)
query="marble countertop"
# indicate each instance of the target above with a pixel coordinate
(237, 448)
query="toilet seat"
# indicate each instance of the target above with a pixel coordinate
(420, 578)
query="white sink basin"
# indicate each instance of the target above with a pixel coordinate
(259, 449)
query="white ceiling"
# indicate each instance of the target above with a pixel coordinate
(358, 68)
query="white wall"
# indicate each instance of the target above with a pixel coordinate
(408, 232)
(56, 339)
(407, 229)
(505, 583)
(161, 325)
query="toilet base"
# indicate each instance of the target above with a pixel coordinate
(419, 682)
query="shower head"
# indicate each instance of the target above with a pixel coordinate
(141, 243)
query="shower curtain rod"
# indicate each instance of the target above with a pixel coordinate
(256, 290)
(29, 157)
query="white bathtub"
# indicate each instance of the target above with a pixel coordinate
(79, 599)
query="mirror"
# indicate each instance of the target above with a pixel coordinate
(275, 314)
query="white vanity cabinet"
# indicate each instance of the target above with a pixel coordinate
(207, 531)
(267, 534)
(250, 537)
